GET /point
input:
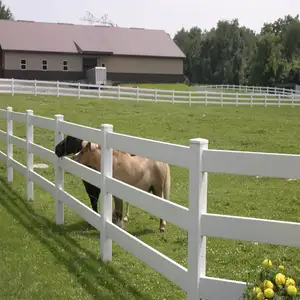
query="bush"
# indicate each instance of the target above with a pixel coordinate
(277, 283)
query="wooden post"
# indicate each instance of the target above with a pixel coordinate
(59, 175)
(29, 155)
(9, 145)
(197, 207)
(12, 87)
(137, 94)
(57, 88)
(35, 87)
(105, 197)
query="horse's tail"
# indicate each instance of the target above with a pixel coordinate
(166, 182)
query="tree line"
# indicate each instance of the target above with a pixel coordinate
(233, 54)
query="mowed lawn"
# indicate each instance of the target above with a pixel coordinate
(40, 260)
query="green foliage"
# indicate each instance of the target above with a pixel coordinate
(279, 279)
(5, 12)
(234, 54)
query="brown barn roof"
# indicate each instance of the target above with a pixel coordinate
(70, 38)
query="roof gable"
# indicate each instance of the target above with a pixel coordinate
(69, 38)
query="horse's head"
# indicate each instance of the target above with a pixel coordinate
(89, 155)
(68, 145)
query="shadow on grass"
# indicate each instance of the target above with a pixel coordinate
(89, 271)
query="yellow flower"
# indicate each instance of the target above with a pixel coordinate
(291, 290)
(290, 281)
(256, 290)
(269, 293)
(260, 296)
(268, 284)
(267, 263)
(280, 279)
(281, 267)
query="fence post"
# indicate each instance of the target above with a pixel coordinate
(222, 98)
(190, 98)
(137, 93)
(156, 96)
(293, 98)
(173, 97)
(197, 207)
(119, 92)
(206, 98)
(99, 91)
(79, 90)
(9, 145)
(29, 155)
(57, 88)
(12, 87)
(251, 99)
(35, 87)
(105, 198)
(59, 175)
(265, 100)
(279, 99)
(237, 99)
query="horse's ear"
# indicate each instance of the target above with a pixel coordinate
(84, 144)
(93, 146)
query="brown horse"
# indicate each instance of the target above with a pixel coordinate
(140, 172)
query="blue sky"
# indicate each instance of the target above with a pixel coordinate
(158, 14)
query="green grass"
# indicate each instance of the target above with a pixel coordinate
(40, 260)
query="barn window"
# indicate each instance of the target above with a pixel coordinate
(65, 65)
(44, 64)
(23, 64)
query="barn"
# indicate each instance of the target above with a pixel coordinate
(60, 51)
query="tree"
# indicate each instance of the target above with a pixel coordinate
(5, 12)
(231, 54)
(268, 66)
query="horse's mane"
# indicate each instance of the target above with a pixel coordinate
(117, 152)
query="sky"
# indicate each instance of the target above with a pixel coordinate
(169, 15)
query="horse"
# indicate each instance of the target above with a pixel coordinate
(143, 173)
(72, 145)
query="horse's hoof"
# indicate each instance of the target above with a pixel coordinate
(125, 219)
(162, 229)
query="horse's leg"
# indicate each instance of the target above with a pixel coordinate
(93, 193)
(157, 191)
(126, 212)
(118, 212)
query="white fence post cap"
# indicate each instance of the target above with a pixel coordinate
(199, 141)
(106, 126)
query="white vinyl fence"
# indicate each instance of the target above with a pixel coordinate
(34, 87)
(255, 89)
(196, 157)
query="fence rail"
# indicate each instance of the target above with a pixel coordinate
(197, 158)
(255, 89)
(34, 87)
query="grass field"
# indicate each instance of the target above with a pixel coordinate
(40, 260)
